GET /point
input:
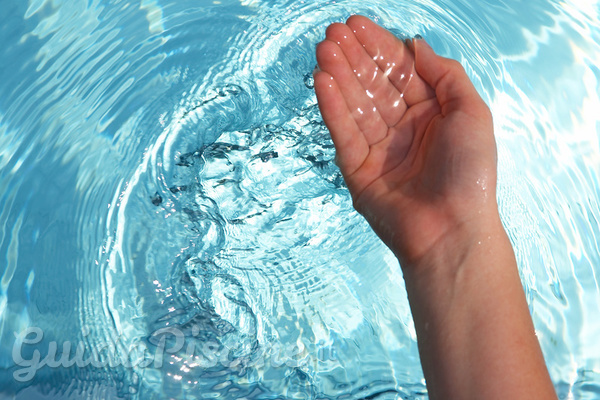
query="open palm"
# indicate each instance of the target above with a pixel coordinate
(414, 140)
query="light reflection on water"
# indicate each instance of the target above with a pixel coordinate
(164, 169)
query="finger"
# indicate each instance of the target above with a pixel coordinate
(448, 78)
(350, 144)
(376, 83)
(391, 54)
(331, 59)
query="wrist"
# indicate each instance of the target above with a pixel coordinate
(465, 244)
(468, 304)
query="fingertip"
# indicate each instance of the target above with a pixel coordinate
(328, 54)
(358, 22)
(333, 30)
(420, 45)
(322, 76)
(327, 46)
(352, 18)
(339, 33)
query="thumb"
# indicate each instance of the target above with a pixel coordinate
(447, 77)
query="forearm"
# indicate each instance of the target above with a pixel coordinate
(475, 334)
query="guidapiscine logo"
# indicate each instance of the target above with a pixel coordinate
(164, 343)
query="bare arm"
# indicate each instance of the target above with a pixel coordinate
(416, 147)
(476, 337)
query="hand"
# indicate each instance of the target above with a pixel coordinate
(419, 157)
(414, 140)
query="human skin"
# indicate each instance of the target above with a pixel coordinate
(415, 144)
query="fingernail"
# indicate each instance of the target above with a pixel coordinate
(419, 37)
(422, 42)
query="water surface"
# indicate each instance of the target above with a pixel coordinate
(168, 194)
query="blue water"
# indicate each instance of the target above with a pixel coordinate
(172, 223)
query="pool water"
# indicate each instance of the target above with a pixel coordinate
(173, 225)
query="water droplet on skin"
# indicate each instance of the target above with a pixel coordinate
(369, 93)
(361, 112)
(482, 183)
(397, 102)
